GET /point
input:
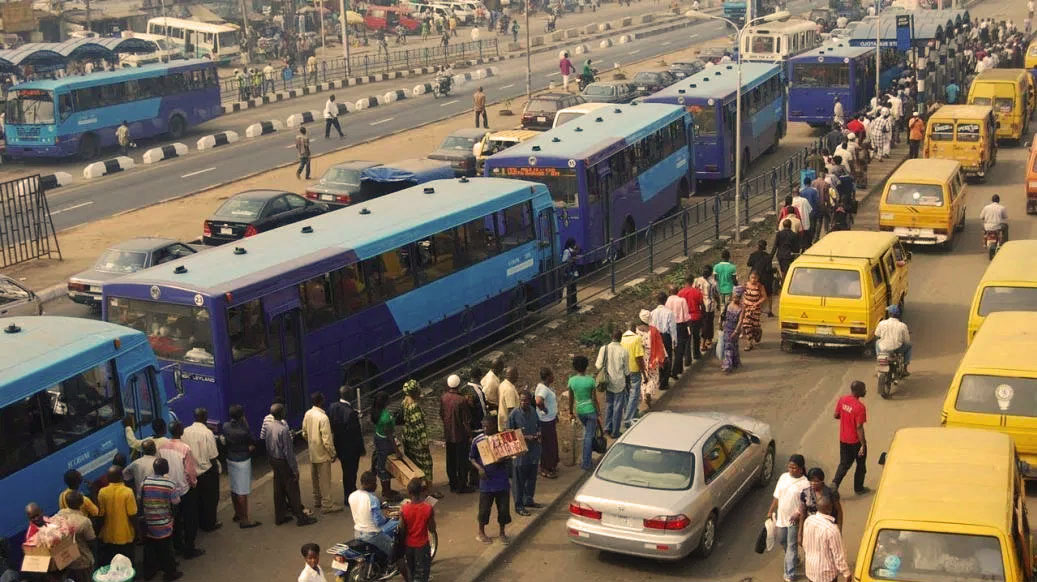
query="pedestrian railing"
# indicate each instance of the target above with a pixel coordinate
(630, 257)
(369, 63)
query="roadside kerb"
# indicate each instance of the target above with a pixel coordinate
(166, 152)
(297, 119)
(264, 128)
(207, 142)
(107, 167)
(55, 180)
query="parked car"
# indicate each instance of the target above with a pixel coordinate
(713, 54)
(649, 82)
(683, 69)
(254, 211)
(457, 149)
(575, 112)
(121, 259)
(663, 487)
(610, 92)
(339, 184)
(539, 112)
(16, 299)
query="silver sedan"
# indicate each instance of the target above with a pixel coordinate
(663, 487)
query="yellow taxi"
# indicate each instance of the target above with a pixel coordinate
(1008, 284)
(966, 133)
(950, 506)
(924, 202)
(837, 291)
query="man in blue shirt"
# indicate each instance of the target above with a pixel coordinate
(952, 92)
(494, 487)
(812, 196)
(525, 472)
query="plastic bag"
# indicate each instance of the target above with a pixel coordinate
(120, 570)
(772, 534)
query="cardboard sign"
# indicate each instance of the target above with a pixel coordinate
(403, 469)
(503, 445)
(56, 557)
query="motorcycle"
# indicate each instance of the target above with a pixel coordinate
(359, 561)
(585, 80)
(441, 85)
(550, 26)
(889, 369)
(993, 239)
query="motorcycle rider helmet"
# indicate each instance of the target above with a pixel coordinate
(893, 311)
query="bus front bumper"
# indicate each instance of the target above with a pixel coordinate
(40, 151)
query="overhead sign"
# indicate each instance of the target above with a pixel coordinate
(903, 32)
(18, 16)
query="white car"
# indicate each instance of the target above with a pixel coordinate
(16, 300)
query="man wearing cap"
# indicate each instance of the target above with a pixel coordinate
(457, 432)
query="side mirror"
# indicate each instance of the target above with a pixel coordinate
(882, 458)
(754, 439)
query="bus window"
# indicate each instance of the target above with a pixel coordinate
(139, 397)
(437, 257)
(517, 225)
(942, 131)
(317, 308)
(246, 330)
(477, 242)
(350, 291)
(226, 40)
(705, 119)
(175, 332)
(22, 437)
(65, 105)
(80, 405)
(389, 274)
(31, 106)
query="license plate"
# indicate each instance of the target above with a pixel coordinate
(824, 330)
(541, 119)
(623, 521)
(327, 197)
(642, 88)
(882, 367)
(227, 231)
(95, 289)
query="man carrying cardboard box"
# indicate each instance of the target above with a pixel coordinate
(494, 487)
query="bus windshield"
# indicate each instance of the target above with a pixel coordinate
(227, 40)
(814, 75)
(176, 332)
(924, 556)
(30, 106)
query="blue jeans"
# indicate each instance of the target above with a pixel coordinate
(789, 538)
(633, 398)
(615, 405)
(590, 426)
(383, 540)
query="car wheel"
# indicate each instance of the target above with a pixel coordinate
(709, 536)
(767, 469)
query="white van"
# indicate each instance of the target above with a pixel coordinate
(570, 113)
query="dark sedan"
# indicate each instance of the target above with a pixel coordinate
(122, 259)
(648, 82)
(457, 149)
(255, 211)
(340, 184)
(684, 69)
(540, 111)
(610, 92)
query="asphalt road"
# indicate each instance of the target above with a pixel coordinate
(103, 197)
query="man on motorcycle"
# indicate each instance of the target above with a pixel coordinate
(587, 74)
(369, 522)
(892, 336)
(995, 218)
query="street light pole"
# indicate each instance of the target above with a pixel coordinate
(878, 49)
(345, 34)
(529, 60)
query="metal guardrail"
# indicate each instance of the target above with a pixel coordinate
(670, 237)
(371, 63)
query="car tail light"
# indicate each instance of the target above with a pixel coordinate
(207, 228)
(789, 325)
(311, 195)
(76, 286)
(251, 230)
(668, 522)
(859, 330)
(584, 510)
(342, 199)
(1032, 184)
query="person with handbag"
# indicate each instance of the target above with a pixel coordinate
(613, 367)
(583, 404)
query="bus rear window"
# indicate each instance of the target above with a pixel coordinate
(30, 106)
(997, 395)
(996, 299)
(821, 75)
(980, 101)
(942, 131)
(176, 332)
(817, 282)
(1004, 105)
(968, 132)
(705, 119)
(907, 194)
(922, 556)
(762, 44)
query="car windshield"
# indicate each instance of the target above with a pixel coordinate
(120, 261)
(648, 468)
(908, 194)
(563, 118)
(980, 101)
(30, 106)
(239, 208)
(647, 77)
(819, 282)
(10, 292)
(542, 105)
(921, 556)
(461, 144)
(176, 332)
(599, 90)
(1007, 299)
(342, 176)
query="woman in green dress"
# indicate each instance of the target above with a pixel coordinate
(384, 444)
(415, 433)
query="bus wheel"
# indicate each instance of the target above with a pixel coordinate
(176, 127)
(88, 147)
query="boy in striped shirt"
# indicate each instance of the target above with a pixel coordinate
(158, 495)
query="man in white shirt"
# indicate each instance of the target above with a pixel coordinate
(268, 79)
(202, 441)
(508, 397)
(825, 557)
(664, 320)
(837, 113)
(331, 118)
(320, 442)
(995, 217)
(784, 509)
(805, 209)
(369, 523)
(893, 336)
(142, 467)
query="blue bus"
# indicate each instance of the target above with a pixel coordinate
(58, 118)
(848, 72)
(66, 384)
(709, 96)
(610, 172)
(367, 294)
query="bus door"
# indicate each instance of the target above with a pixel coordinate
(284, 345)
(550, 255)
(189, 43)
(140, 398)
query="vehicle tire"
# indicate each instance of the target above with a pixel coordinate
(961, 223)
(885, 382)
(767, 469)
(177, 127)
(991, 251)
(89, 148)
(708, 541)
(786, 346)
(433, 542)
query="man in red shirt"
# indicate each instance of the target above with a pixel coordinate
(853, 447)
(693, 297)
